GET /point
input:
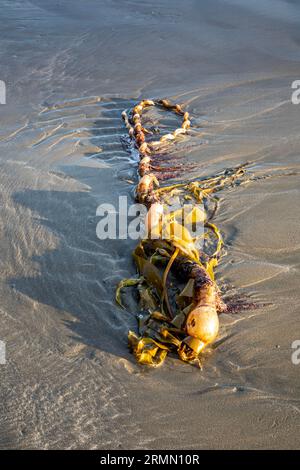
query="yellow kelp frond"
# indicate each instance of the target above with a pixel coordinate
(195, 216)
(146, 350)
(218, 235)
(147, 299)
(186, 248)
(122, 284)
(189, 355)
(210, 266)
(149, 272)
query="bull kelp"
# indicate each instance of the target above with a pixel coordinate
(180, 316)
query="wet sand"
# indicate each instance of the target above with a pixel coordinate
(70, 68)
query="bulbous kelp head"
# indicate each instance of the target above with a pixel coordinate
(203, 324)
(202, 327)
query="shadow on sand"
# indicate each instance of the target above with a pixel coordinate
(78, 277)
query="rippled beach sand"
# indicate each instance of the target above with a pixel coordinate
(70, 69)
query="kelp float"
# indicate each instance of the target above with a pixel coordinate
(183, 320)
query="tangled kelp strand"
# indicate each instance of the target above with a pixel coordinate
(183, 321)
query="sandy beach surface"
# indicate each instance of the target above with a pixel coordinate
(70, 68)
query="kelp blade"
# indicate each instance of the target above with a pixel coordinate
(122, 284)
